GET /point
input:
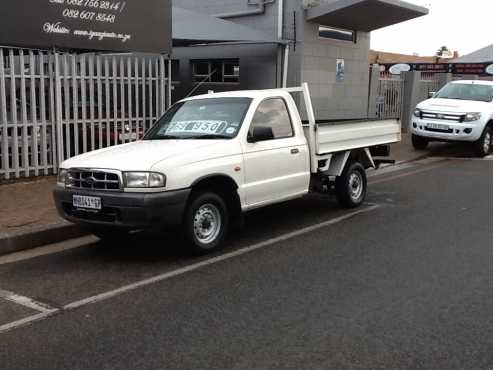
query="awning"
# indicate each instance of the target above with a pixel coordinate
(193, 28)
(364, 15)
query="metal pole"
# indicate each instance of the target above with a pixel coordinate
(170, 83)
(58, 105)
(312, 126)
(3, 119)
(285, 66)
(280, 19)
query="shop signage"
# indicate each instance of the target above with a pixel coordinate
(110, 25)
(455, 68)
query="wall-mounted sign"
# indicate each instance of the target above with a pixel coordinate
(340, 70)
(112, 25)
(397, 69)
(481, 69)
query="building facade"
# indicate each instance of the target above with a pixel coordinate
(328, 40)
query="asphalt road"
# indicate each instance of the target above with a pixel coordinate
(406, 283)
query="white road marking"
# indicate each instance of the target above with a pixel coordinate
(48, 312)
(48, 249)
(214, 260)
(403, 166)
(26, 321)
(407, 174)
(487, 158)
(81, 242)
(26, 302)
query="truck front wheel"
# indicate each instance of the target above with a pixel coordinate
(206, 223)
(351, 186)
(482, 147)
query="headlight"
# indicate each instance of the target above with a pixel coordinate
(471, 117)
(417, 113)
(62, 176)
(144, 180)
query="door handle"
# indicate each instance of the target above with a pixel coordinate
(295, 151)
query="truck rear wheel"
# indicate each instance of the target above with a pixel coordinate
(206, 223)
(482, 147)
(419, 143)
(351, 186)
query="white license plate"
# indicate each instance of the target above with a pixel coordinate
(127, 136)
(437, 126)
(81, 201)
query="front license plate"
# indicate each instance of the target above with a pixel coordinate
(81, 201)
(127, 136)
(437, 126)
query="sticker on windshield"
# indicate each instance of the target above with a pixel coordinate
(230, 130)
(195, 127)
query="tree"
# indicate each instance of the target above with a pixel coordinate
(443, 51)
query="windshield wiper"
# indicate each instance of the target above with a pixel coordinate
(209, 136)
(166, 137)
(450, 98)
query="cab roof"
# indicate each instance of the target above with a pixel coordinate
(252, 94)
(473, 82)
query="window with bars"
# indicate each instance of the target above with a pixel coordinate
(216, 71)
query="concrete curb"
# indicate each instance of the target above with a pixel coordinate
(39, 236)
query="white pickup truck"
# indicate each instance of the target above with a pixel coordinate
(211, 158)
(460, 111)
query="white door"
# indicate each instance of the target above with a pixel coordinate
(276, 168)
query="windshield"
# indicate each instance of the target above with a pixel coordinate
(213, 118)
(466, 92)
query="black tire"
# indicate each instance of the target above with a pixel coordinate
(482, 147)
(206, 223)
(419, 142)
(351, 186)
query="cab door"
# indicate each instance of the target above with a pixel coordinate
(277, 160)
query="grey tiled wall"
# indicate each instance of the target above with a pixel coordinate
(314, 60)
(332, 99)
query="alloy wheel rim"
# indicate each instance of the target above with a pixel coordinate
(207, 223)
(487, 143)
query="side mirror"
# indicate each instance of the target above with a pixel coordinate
(261, 133)
(431, 94)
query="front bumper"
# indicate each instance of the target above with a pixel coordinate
(132, 211)
(469, 132)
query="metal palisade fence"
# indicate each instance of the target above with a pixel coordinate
(390, 97)
(54, 106)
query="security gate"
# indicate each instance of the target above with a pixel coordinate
(390, 97)
(54, 106)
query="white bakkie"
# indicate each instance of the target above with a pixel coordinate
(460, 111)
(210, 158)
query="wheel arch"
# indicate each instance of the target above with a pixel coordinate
(224, 186)
(339, 161)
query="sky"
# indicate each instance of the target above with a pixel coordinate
(464, 26)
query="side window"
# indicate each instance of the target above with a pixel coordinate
(273, 113)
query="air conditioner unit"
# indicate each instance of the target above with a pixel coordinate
(310, 3)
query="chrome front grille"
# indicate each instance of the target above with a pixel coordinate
(442, 116)
(90, 179)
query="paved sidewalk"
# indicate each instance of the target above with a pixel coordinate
(28, 217)
(27, 204)
(404, 151)
(28, 209)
